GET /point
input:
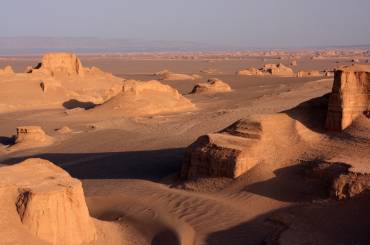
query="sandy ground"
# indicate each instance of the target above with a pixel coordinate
(129, 165)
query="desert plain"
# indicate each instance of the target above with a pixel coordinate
(185, 148)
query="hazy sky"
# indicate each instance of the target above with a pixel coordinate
(285, 23)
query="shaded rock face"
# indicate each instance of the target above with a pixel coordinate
(30, 133)
(6, 70)
(212, 85)
(229, 153)
(308, 74)
(49, 202)
(350, 96)
(63, 62)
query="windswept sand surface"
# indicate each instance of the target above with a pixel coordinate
(129, 165)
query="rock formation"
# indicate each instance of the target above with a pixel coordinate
(327, 74)
(211, 86)
(163, 72)
(349, 97)
(250, 71)
(280, 69)
(229, 153)
(139, 98)
(308, 74)
(172, 76)
(6, 70)
(196, 76)
(30, 137)
(294, 63)
(317, 57)
(355, 60)
(61, 62)
(47, 200)
(30, 134)
(209, 70)
(64, 130)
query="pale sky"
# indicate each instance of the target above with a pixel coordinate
(269, 23)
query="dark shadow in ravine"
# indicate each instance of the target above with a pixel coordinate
(147, 165)
(72, 104)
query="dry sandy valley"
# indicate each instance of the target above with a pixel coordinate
(185, 148)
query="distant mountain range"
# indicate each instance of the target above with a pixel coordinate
(40, 45)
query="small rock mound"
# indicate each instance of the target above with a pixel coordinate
(250, 71)
(141, 98)
(209, 70)
(163, 72)
(196, 76)
(308, 74)
(213, 85)
(6, 70)
(355, 60)
(172, 76)
(30, 137)
(47, 200)
(317, 57)
(64, 130)
(294, 63)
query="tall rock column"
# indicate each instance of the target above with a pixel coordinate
(350, 96)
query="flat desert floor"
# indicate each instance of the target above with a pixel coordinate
(129, 166)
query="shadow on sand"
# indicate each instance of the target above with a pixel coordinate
(72, 104)
(146, 165)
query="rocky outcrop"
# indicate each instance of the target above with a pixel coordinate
(211, 86)
(250, 71)
(308, 74)
(140, 98)
(280, 69)
(163, 72)
(349, 97)
(30, 133)
(209, 70)
(229, 153)
(62, 62)
(172, 76)
(6, 70)
(294, 63)
(355, 60)
(47, 200)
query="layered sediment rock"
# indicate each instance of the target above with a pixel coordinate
(350, 96)
(229, 153)
(308, 74)
(212, 85)
(47, 200)
(250, 71)
(280, 69)
(63, 62)
(30, 133)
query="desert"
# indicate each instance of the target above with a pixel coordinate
(130, 157)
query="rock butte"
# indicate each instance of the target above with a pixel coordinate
(213, 85)
(250, 71)
(47, 201)
(139, 98)
(349, 97)
(30, 133)
(6, 70)
(294, 63)
(308, 74)
(278, 69)
(229, 153)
